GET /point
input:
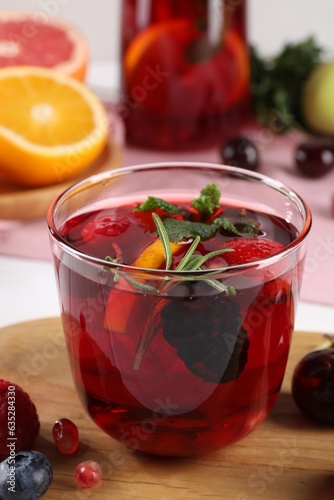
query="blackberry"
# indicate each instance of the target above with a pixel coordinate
(213, 346)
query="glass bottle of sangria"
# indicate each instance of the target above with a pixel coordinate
(185, 72)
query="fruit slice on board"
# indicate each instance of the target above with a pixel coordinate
(51, 126)
(37, 39)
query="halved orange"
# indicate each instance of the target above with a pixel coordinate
(39, 39)
(51, 126)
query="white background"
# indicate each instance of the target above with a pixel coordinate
(271, 22)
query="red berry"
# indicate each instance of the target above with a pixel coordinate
(66, 436)
(315, 159)
(278, 290)
(145, 218)
(240, 152)
(250, 250)
(106, 225)
(88, 474)
(19, 420)
(313, 385)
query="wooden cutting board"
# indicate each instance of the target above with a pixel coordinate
(287, 458)
(19, 203)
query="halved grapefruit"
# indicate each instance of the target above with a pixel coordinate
(34, 39)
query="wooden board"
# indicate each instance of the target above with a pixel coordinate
(287, 458)
(26, 204)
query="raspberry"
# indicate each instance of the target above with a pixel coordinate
(106, 225)
(18, 418)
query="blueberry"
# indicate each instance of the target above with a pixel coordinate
(25, 476)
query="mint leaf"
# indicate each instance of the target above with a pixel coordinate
(179, 230)
(153, 203)
(248, 228)
(209, 199)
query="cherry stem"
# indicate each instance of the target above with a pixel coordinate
(329, 344)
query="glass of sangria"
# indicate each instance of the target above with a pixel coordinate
(178, 285)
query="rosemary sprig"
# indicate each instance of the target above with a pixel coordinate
(135, 283)
(221, 287)
(189, 262)
(198, 261)
(162, 233)
(187, 257)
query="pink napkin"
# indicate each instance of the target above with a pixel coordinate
(30, 239)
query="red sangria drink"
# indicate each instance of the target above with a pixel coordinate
(178, 286)
(185, 72)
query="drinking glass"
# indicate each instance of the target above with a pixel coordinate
(177, 365)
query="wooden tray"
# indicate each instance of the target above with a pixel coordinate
(287, 458)
(25, 204)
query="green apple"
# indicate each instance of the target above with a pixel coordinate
(317, 100)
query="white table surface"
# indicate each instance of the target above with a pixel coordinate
(28, 288)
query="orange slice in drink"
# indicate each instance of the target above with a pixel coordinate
(51, 126)
(153, 63)
(161, 40)
(153, 256)
(122, 299)
(164, 74)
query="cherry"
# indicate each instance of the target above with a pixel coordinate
(66, 436)
(88, 474)
(313, 385)
(315, 159)
(240, 152)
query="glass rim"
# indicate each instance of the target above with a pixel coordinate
(103, 177)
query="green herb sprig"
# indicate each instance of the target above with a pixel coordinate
(189, 262)
(208, 200)
(277, 83)
(179, 230)
(153, 203)
(135, 283)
